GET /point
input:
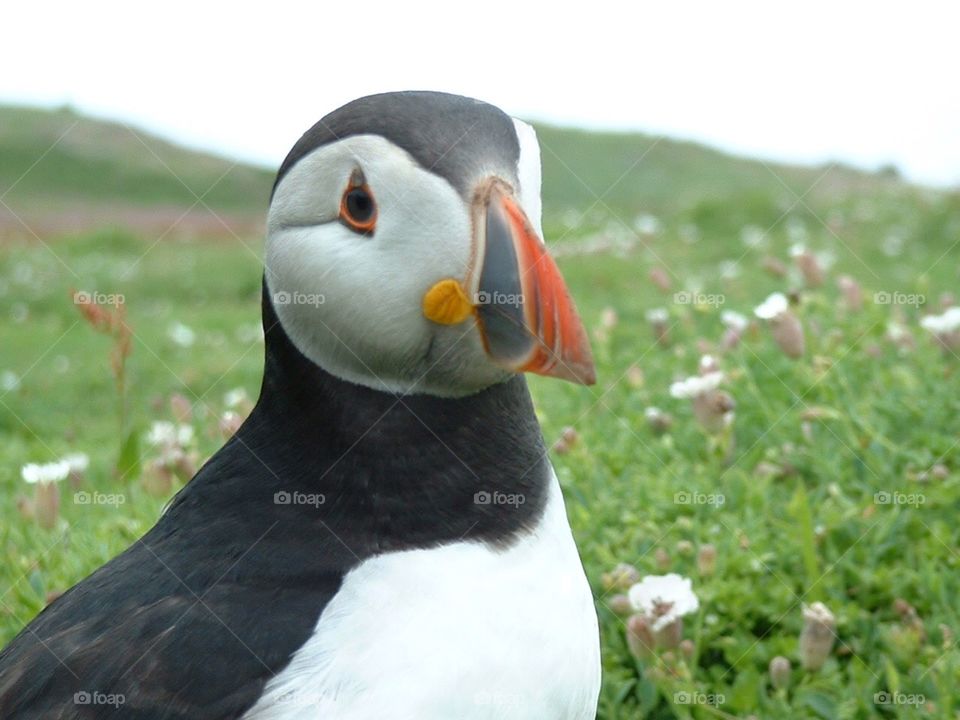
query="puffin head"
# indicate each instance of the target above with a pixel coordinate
(404, 249)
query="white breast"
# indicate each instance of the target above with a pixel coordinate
(462, 631)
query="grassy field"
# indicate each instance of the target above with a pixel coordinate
(838, 481)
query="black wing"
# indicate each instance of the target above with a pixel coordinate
(189, 622)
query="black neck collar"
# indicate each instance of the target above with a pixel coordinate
(404, 470)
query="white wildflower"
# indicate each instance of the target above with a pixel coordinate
(181, 334)
(235, 397)
(657, 315)
(734, 320)
(76, 462)
(696, 385)
(647, 224)
(9, 381)
(773, 306)
(44, 473)
(663, 598)
(943, 324)
(708, 364)
(184, 434)
(729, 269)
(753, 237)
(163, 432)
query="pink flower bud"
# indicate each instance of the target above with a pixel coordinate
(25, 508)
(659, 277)
(851, 292)
(659, 421)
(157, 479)
(662, 558)
(186, 465)
(707, 559)
(714, 410)
(620, 605)
(670, 635)
(808, 265)
(229, 423)
(46, 504)
(181, 408)
(780, 672)
(621, 577)
(658, 319)
(817, 636)
(774, 266)
(640, 639)
(788, 333)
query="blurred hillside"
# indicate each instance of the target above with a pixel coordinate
(64, 173)
(61, 172)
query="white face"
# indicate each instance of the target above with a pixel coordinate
(352, 302)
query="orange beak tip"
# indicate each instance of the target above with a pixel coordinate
(542, 333)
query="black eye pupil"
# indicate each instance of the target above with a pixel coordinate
(359, 204)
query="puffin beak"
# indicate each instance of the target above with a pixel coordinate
(526, 315)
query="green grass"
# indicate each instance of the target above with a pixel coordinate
(811, 533)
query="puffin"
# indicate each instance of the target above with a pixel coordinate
(384, 536)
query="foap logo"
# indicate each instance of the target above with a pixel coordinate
(485, 497)
(685, 497)
(498, 298)
(93, 297)
(698, 698)
(884, 297)
(898, 698)
(82, 497)
(282, 297)
(285, 497)
(500, 700)
(895, 497)
(95, 697)
(686, 297)
(296, 699)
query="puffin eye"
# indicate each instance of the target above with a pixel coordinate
(358, 211)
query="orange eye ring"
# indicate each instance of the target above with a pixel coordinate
(358, 209)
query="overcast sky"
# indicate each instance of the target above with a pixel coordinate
(807, 81)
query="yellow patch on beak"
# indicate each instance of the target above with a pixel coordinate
(446, 303)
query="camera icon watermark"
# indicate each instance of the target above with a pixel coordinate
(698, 698)
(94, 297)
(498, 699)
(884, 297)
(486, 497)
(283, 297)
(297, 699)
(687, 297)
(82, 497)
(285, 497)
(898, 698)
(685, 497)
(895, 497)
(484, 297)
(95, 697)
